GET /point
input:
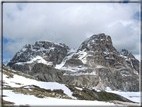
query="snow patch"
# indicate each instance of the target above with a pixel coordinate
(37, 59)
(24, 49)
(123, 56)
(78, 88)
(99, 66)
(82, 56)
(73, 69)
(26, 81)
(59, 66)
(81, 73)
(108, 89)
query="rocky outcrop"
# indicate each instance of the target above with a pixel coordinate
(73, 62)
(46, 73)
(87, 94)
(102, 78)
(130, 59)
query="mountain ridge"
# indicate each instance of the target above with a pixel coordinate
(95, 64)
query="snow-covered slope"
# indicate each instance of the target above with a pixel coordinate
(18, 89)
(18, 81)
(34, 101)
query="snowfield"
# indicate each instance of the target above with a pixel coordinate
(26, 81)
(21, 99)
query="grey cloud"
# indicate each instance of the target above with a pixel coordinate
(71, 23)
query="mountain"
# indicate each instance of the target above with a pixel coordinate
(41, 52)
(96, 64)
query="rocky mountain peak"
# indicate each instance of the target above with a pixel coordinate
(99, 50)
(98, 42)
(105, 66)
(49, 51)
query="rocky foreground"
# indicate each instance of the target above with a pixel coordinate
(22, 89)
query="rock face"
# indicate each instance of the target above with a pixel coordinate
(48, 51)
(96, 64)
(131, 60)
(46, 73)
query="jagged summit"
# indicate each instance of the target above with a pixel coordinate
(49, 51)
(99, 49)
(98, 42)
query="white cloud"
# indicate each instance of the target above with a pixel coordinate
(71, 23)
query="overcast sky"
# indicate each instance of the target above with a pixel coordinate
(70, 23)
